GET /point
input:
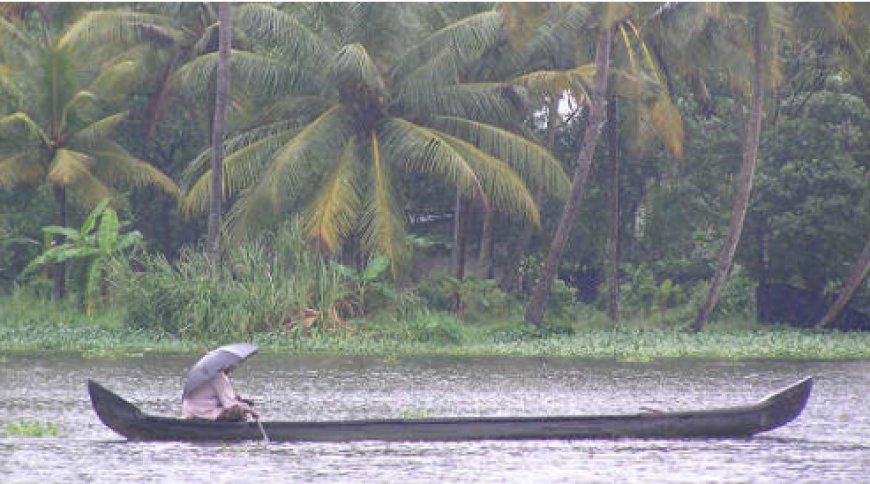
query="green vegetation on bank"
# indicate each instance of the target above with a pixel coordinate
(393, 178)
(30, 325)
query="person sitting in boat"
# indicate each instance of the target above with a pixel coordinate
(217, 400)
(208, 392)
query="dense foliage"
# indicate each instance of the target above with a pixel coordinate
(408, 162)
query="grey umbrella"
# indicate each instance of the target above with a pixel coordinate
(225, 357)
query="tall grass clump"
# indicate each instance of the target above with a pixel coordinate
(261, 285)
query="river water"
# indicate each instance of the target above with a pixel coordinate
(830, 442)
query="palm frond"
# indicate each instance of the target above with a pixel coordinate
(531, 160)
(69, 167)
(118, 27)
(559, 29)
(330, 217)
(19, 168)
(439, 70)
(207, 38)
(576, 81)
(465, 39)
(98, 130)
(289, 170)
(353, 65)
(502, 186)
(251, 212)
(315, 142)
(79, 98)
(256, 71)
(29, 124)
(637, 86)
(650, 60)
(668, 125)
(242, 168)
(484, 101)
(629, 49)
(195, 168)
(10, 35)
(117, 79)
(117, 166)
(89, 191)
(423, 149)
(279, 28)
(295, 108)
(383, 224)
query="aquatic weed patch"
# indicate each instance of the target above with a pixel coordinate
(31, 428)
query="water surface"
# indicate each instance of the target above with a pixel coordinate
(830, 442)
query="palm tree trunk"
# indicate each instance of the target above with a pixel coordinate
(612, 248)
(458, 256)
(541, 294)
(484, 258)
(862, 267)
(215, 214)
(58, 270)
(460, 222)
(512, 280)
(747, 169)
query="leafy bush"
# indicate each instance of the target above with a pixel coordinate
(25, 210)
(474, 299)
(422, 326)
(563, 303)
(436, 327)
(365, 290)
(642, 292)
(266, 284)
(738, 295)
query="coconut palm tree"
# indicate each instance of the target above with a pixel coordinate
(746, 37)
(541, 294)
(362, 109)
(636, 77)
(215, 215)
(848, 22)
(69, 74)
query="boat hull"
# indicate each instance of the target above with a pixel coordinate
(734, 422)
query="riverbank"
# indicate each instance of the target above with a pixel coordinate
(41, 326)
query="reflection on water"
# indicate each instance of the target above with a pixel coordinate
(830, 442)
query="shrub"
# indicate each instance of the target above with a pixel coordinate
(563, 303)
(436, 327)
(422, 326)
(270, 283)
(644, 291)
(478, 299)
(737, 297)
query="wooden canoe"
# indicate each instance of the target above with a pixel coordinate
(734, 422)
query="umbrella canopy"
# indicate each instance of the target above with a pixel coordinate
(223, 358)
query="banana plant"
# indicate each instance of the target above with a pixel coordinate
(372, 281)
(88, 249)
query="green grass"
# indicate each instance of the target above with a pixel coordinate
(27, 324)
